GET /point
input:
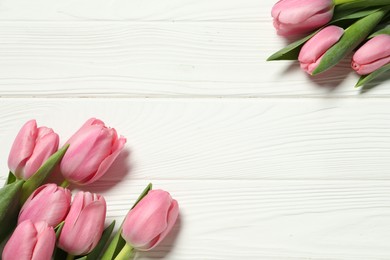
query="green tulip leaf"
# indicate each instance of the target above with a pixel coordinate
(118, 243)
(351, 14)
(291, 51)
(143, 194)
(10, 179)
(9, 207)
(385, 30)
(367, 78)
(353, 4)
(95, 253)
(352, 37)
(43, 172)
(58, 229)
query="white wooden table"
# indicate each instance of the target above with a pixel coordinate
(266, 162)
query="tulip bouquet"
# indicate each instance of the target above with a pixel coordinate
(48, 224)
(331, 30)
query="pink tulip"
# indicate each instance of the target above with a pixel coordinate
(150, 220)
(292, 17)
(84, 224)
(31, 148)
(48, 203)
(93, 148)
(372, 55)
(314, 49)
(30, 241)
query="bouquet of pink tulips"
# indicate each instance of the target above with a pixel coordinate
(331, 30)
(46, 223)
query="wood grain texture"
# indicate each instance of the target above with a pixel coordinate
(226, 139)
(159, 59)
(145, 10)
(266, 162)
(262, 219)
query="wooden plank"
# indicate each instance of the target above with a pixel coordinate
(257, 219)
(156, 59)
(145, 10)
(340, 139)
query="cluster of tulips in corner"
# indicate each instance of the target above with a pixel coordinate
(41, 221)
(333, 29)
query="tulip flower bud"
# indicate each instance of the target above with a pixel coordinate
(30, 241)
(93, 148)
(150, 220)
(292, 17)
(372, 55)
(48, 203)
(314, 49)
(84, 224)
(32, 147)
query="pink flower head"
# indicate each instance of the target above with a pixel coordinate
(372, 55)
(292, 17)
(150, 220)
(314, 49)
(32, 147)
(93, 148)
(30, 241)
(84, 224)
(48, 203)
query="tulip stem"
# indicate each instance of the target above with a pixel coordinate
(65, 184)
(69, 257)
(125, 253)
(339, 2)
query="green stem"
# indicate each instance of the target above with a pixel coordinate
(362, 3)
(125, 253)
(339, 2)
(69, 257)
(65, 184)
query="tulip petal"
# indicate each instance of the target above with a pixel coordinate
(44, 247)
(147, 219)
(86, 229)
(14, 249)
(299, 16)
(48, 203)
(44, 148)
(108, 161)
(173, 213)
(22, 147)
(376, 48)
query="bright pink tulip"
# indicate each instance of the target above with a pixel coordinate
(84, 224)
(30, 241)
(314, 49)
(48, 203)
(31, 148)
(293, 17)
(93, 148)
(150, 220)
(372, 55)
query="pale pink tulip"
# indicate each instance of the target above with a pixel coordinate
(48, 203)
(315, 48)
(30, 241)
(32, 147)
(372, 55)
(150, 220)
(293, 17)
(84, 224)
(93, 148)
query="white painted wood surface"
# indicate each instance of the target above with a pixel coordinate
(265, 162)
